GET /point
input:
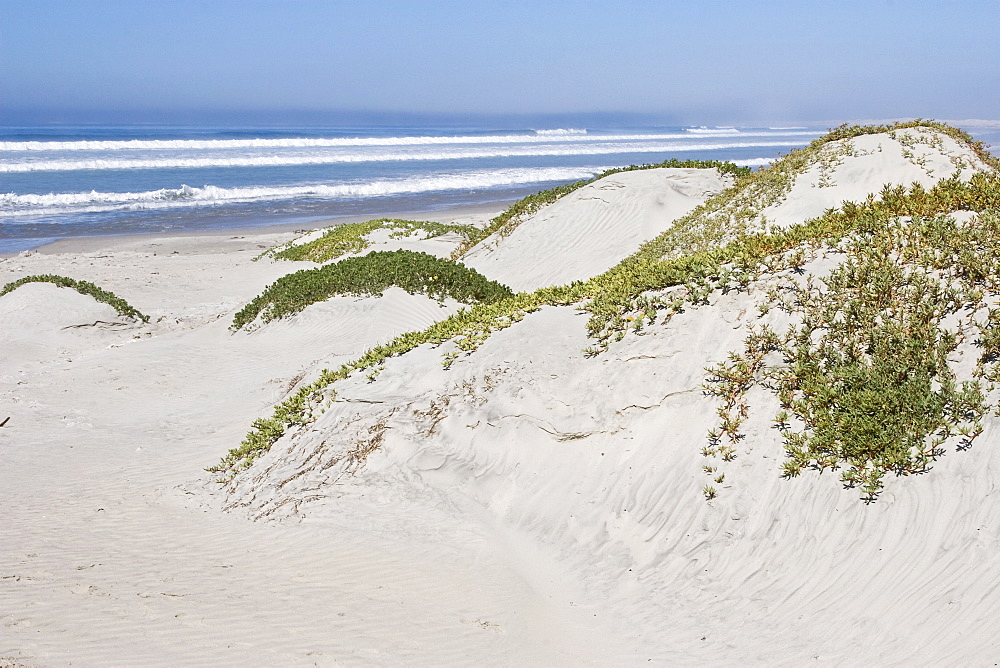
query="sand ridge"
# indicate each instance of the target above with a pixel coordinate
(852, 169)
(594, 228)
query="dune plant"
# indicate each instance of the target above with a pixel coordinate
(714, 247)
(83, 287)
(847, 131)
(370, 275)
(664, 262)
(864, 380)
(352, 238)
(469, 328)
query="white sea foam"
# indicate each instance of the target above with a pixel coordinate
(753, 162)
(292, 142)
(540, 136)
(374, 156)
(712, 131)
(189, 196)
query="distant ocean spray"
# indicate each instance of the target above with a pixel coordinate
(58, 182)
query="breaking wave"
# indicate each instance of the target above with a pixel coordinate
(712, 131)
(370, 156)
(540, 136)
(209, 195)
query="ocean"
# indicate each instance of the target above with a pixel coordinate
(62, 181)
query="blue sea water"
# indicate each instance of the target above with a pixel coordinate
(63, 181)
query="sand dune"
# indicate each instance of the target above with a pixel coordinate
(602, 475)
(595, 462)
(42, 322)
(526, 505)
(594, 228)
(851, 169)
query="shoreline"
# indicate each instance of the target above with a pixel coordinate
(87, 244)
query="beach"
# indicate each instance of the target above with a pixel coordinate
(116, 544)
(539, 491)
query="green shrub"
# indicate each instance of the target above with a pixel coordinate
(83, 287)
(866, 375)
(370, 275)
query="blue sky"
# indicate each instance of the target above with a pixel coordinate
(694, 61)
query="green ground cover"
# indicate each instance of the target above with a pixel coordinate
(370, 275)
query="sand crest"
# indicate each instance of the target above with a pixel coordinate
(594, 228)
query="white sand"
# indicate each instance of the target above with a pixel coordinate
(594, 228)
(528, 506)
(114, 549)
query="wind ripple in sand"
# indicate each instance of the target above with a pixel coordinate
(595, 462)
(607, 482)
(593, 228)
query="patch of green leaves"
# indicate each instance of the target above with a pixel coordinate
(370, 275)
(658, 265)
(864, 380)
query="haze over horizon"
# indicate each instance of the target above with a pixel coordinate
(392, 61)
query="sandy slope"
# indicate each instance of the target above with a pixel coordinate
(593, 228)
(528, 506)
(851, 169)
(602, 475)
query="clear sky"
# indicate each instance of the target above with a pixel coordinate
(691, 61)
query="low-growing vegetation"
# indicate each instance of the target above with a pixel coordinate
(623, 302)
(696, 238)
(469, 328)
(370, 275)
(83, 287)
(352, 238)
(864, 379)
